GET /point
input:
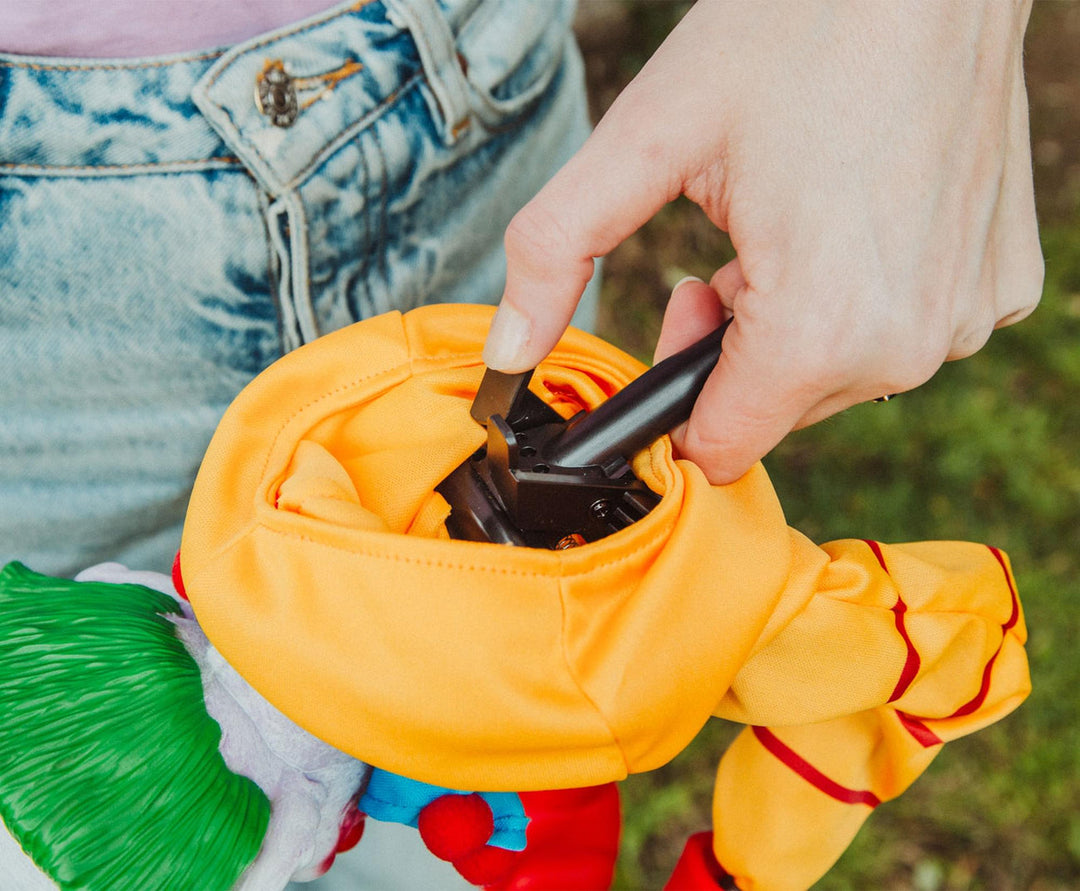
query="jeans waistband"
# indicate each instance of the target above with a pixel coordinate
(333, 73)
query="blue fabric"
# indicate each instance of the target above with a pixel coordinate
(162, 242)
(396, 799)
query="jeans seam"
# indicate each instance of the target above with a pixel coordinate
(142, 165)
(134, 65)
(379, 217)
(272, 272)
(497, 118)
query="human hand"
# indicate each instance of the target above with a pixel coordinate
(871, 164)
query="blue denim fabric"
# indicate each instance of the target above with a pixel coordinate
(161, 241)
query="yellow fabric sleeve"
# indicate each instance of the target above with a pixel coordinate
(892, 651)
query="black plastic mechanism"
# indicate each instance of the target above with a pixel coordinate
(542, 481)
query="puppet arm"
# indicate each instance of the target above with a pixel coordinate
(895, 651)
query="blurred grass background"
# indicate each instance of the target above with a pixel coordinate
(986, 451)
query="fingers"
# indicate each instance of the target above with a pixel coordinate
(745, 407)
(749, 403)
(600, 197)
(728, 281)
(778, 372)
(693, 311)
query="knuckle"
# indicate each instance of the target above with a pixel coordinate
(921, 364)
(538, 233)
(909, 349)
(970, 340)
(1025, 291)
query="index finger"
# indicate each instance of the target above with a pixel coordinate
(602, 195)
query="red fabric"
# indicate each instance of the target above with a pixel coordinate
(177, 581)
(697, 869)
(573, 840)
(487, 865)
(351, 831)
(349, 835)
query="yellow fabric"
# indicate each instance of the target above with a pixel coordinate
(316, 559)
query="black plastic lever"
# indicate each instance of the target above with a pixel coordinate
(643, 411)
(546, 482)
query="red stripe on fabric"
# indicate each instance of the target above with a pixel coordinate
(912, 661)
(984, 688)
(876, 548)
(1015, 617)
(980, 697)
(793, 760)
(923, 735)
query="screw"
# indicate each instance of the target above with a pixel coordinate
(573, 540)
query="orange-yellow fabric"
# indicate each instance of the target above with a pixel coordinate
(317, 561)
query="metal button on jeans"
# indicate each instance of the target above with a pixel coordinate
(275, 94)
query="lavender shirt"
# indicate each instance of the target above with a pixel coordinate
(132, 28)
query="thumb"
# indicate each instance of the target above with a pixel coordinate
(601, 196)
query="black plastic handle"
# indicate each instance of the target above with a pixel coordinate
(643, 411)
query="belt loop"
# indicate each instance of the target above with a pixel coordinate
(438, 54)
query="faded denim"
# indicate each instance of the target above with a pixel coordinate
(162, 242)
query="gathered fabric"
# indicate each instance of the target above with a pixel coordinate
(316, 558)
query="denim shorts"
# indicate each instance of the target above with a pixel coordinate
(171, 226)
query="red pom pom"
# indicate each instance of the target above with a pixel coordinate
(455, 825)
(486, 865)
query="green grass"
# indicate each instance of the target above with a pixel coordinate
(986, 451)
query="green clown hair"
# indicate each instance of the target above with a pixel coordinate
(110, 773)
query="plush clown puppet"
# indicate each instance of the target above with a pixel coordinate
(132, 755)
(316, 518)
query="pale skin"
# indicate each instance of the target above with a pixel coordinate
(871, 164)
